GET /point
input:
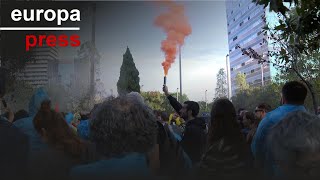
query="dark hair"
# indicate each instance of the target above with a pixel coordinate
(223, 122)
(250, 116)
(157, 113)
(265, 107)
(193, 106)
(164, 116)
(240, 109)
(84, 116)
(59, 134)
(121, 126)
(20, 114)
(294, 92)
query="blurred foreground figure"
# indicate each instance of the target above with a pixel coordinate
(64, 151)
(14, 148)
(294, 94)
(124, 131)
(295, 146)
(14, 145)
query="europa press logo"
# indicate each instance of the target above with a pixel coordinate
(46, 15)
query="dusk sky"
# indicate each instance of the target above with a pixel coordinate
(122, 24)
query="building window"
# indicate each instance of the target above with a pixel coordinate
(235, 38)
(234, 19)
(231, 12)
(231, 69)
(243, 64)
(241, 23)
(252, 71)
(249, 18)
(239, 4)
(229, 33)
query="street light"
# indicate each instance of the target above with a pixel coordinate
(205, 98)
(228, 77)
(180, 73)
(177, 94)
(262, 80)
(262, 70)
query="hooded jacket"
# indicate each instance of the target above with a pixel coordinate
(26, 124)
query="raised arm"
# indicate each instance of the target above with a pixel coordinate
(173, 101)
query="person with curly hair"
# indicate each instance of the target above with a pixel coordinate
(124, 131)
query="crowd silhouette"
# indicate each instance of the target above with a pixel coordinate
(123, 138)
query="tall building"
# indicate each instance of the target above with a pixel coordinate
(66, 73)
(83, 68)
(245, 24)
(43, 69)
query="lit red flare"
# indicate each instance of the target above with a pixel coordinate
(176, 26)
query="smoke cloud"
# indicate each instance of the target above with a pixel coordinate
(176, 25)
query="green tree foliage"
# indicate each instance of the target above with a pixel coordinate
(154, 99)
(129, 75)
(250, 98)
(242, 82)
(158, 101)
(204, 107)
(295, 40)
(221, 89)
(307, 10)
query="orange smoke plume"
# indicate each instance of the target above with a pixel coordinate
(176, 25)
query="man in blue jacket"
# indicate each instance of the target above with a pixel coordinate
(293, 97)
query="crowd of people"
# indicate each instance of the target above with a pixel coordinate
(123, 138)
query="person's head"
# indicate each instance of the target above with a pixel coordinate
(157, 113)
(223, 121)
(135, 97)
(240, 113)
(294, 92)
(261, 110)
(55, 131)
(189, 110)
(295, 144)
(121, 126)
(248, 119)
(164, 116)
(240, 110)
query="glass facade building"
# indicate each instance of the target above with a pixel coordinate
(43, 69)
(245, 23)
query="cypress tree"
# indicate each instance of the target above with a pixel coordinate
(129, 75)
